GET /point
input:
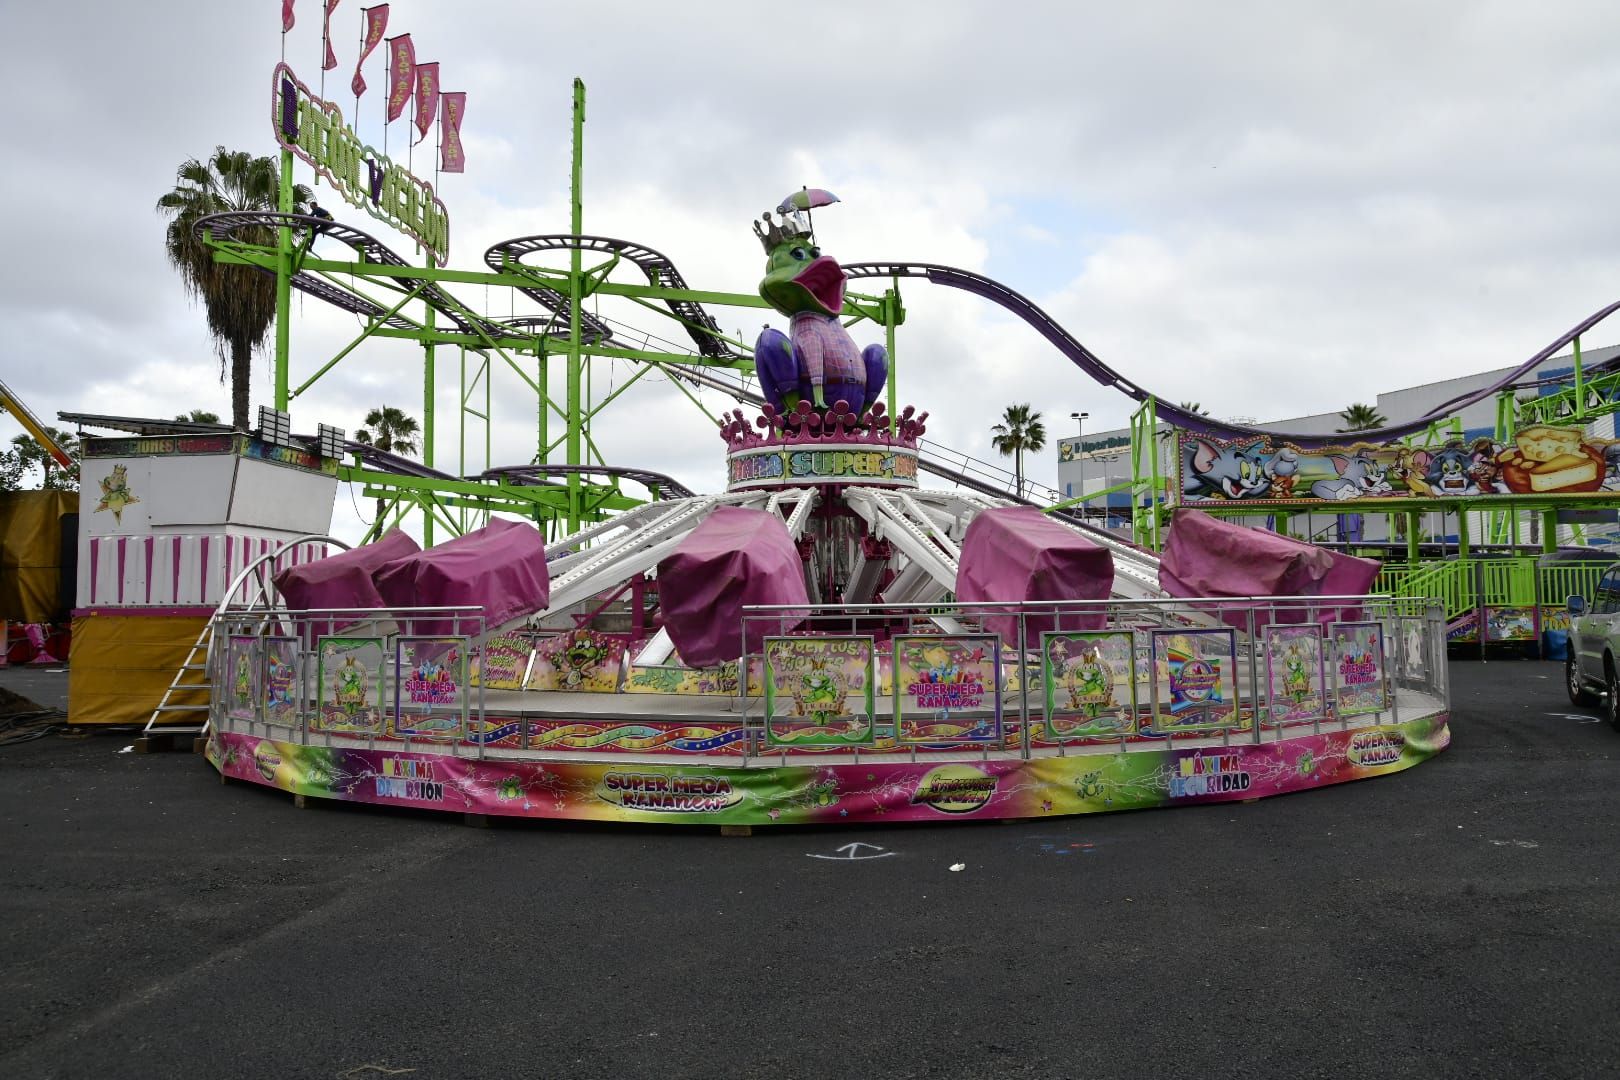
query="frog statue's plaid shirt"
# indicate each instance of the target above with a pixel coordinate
(827, 354)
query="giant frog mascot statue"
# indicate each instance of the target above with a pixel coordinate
(816, 361)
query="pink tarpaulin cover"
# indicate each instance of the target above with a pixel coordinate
(343, 580)
(1205, 556)
(1017, 553)
(735, 558)
(500, 568)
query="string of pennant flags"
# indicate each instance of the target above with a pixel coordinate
(408, 81)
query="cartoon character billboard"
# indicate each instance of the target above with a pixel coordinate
(1540, 460)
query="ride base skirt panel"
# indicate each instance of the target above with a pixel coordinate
(994, 784)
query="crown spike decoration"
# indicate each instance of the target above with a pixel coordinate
(790, 228)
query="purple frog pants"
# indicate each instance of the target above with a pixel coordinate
(782, 370)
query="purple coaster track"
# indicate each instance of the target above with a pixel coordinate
(1087, 361)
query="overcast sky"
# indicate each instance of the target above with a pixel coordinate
(1273, 209)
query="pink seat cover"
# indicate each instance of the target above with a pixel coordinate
(500, 568)
(735, 558)
(343, 580)
(1017, 553)
(1206, 556)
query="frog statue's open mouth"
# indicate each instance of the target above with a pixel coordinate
(824, 280)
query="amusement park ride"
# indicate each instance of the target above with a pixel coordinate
(827, 639)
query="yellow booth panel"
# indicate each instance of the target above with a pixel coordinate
(120, 666)
(31, 552)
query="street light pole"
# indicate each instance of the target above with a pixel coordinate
(1079, 419)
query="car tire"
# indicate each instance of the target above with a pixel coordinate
(1575, 686)
(1611, 708)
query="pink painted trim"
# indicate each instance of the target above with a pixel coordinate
(176, 543)
(202, 563)
(151, 544)
(123, 550)
(95, 564)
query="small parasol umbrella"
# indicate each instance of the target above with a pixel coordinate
(806, 199)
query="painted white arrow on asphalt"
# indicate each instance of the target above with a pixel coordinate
(853, 852)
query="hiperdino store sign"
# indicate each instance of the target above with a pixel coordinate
(314, 130)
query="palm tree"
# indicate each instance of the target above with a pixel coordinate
(198, 416)
(1018, 431)
(1361, 418)
(27, 454)
(390, 430)
(240, 300)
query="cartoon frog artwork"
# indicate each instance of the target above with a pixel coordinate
(1090, 683)
(242, 684)
(115, 493)
(816, 360)
(350, 693)
(1296, 676)
(820, 694)
(581, 657)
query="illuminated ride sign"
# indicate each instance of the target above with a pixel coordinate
(314, 130)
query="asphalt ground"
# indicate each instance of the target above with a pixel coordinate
(1458, 919)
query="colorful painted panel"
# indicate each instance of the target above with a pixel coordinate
(281, 691)
(676, 679)
(1464, 629)
(1358, 667)
(703, 793)
(242, 672)
(501, 663)
(583, 660)
(1540, 460)
(1510, 624)
(819, 691)
(945, 688)
(1089, 681)
(350, 685)
(430, 697)
(1296, 686)
(1194, 678)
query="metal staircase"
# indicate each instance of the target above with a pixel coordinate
(173, 717)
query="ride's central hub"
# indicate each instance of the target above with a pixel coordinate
(804, 448)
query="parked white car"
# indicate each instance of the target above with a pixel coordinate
(1592, 669)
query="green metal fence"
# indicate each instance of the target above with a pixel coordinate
(1464, 585)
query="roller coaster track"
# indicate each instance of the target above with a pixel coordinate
(705, 332)
(1087, 361)
(666, 486)
(229, 227)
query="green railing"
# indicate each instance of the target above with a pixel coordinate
(1559, 583)
(1451, 583)
(1464, 585)
(1392, 578)
(1508, 582)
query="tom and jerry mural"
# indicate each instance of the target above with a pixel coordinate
(1540, 460)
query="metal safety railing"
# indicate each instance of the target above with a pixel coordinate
(1063, 677)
